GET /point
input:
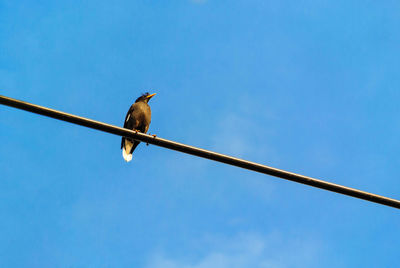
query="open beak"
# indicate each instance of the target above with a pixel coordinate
(151, 96)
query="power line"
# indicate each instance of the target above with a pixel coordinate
(199, 152)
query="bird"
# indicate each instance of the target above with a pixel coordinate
(138, 118)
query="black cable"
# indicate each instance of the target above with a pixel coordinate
(199, 152)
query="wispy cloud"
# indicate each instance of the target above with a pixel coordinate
(244, 130)
(249, 250)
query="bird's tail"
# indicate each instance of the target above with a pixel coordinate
(127, 150)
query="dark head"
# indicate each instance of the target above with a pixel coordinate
(145, 97)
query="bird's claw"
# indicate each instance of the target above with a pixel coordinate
(154, 136)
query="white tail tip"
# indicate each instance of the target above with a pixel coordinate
(125, 149)
(127, 157)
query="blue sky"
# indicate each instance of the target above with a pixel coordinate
(307, 86)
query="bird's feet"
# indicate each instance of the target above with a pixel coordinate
(154, 136)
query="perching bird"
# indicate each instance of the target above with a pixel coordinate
(138, 118)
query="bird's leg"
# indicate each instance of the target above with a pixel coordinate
(154, 136)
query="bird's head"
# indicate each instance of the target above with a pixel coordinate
(145, 97)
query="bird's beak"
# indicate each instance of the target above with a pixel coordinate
(151, 96)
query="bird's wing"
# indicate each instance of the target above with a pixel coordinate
(130, 122)
(128, 116)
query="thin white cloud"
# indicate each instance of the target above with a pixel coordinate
(229, 136)
(250, 250)
(244, 131)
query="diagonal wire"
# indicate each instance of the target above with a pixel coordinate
(199, 152)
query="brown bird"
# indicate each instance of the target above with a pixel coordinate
(138, 118)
